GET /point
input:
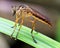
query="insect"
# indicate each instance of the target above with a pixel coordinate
(24, 11)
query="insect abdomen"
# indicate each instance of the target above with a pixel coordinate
(41, 17)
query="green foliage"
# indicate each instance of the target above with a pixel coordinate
(25, 35)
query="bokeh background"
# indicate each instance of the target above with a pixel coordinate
(49, 8)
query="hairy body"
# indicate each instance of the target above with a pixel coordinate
(24, 11)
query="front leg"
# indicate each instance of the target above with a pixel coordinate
(16, 22)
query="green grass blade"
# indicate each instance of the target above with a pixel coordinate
(58, 30)
(25, 35)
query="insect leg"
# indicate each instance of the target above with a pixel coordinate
(19, 28)
(33, 27)
(16, 21)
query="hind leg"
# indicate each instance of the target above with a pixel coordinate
(33, 27)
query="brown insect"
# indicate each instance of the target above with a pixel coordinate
(24, 11)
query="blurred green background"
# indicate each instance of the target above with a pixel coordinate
(49, 8)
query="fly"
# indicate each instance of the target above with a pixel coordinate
(24, 11)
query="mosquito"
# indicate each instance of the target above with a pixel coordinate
(25, 11)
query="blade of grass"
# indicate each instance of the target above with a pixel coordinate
(25, 35)
(58, 30)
